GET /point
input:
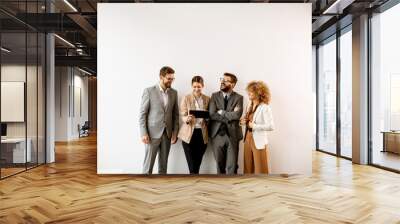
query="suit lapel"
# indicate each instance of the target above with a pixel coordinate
(191, 102)
(169, 93)
(230, 102)
(160, 98)
(220, 100)
(259, 108)
(204, 98)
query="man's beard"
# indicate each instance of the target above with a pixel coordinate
(224, 88)
(167, 85)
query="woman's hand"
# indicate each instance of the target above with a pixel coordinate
(243, 121)
(251, 124)
(190, 118)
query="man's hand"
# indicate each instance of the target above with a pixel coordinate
(174, 139)
(146, 139)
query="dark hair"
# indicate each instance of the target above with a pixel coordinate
(198, 79)
(166, 70)
(232, 76)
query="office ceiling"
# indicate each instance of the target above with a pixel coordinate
(76, 21)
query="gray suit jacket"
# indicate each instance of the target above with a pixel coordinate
(230, 117)
(154, 118)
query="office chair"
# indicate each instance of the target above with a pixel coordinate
(84, 130)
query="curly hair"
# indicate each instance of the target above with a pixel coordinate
(261, 90)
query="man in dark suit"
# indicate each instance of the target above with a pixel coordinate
(226, 107)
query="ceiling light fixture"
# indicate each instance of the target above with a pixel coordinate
(84, 71)
(326, 11)
(337, 7)
(70, 5)
(5, 50)
(64, 40)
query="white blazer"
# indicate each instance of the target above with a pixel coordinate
(262, 123)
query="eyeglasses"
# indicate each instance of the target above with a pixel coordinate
(169, 79)
(224, 80)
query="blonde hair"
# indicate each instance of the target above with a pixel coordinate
(261, 90)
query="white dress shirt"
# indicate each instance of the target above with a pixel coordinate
(164, 96)
(198, 103)
(224, 94)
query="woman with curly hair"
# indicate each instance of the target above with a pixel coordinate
(258, 121)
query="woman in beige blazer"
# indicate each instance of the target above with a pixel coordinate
(258, 121)
(193, 132)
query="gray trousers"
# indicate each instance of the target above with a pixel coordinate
(161, 146)
(225, 153)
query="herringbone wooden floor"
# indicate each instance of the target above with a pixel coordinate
(69, 191)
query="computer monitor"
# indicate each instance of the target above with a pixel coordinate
(3, 129)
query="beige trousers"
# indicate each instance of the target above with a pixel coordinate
(255, 160)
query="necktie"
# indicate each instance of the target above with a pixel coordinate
(225, 102)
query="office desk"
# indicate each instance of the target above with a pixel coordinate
(13, 150)
(391, 141)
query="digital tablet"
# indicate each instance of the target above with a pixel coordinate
(199, 113)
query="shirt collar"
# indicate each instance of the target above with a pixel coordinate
(226, 94)
(161, 89)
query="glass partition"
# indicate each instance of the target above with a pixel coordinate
(22, 88)
(346, 93)
(14, 153)
(385, 89)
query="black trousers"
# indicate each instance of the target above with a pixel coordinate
(194, 151)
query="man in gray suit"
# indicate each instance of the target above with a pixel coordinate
(159, 121)
(226, 107)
